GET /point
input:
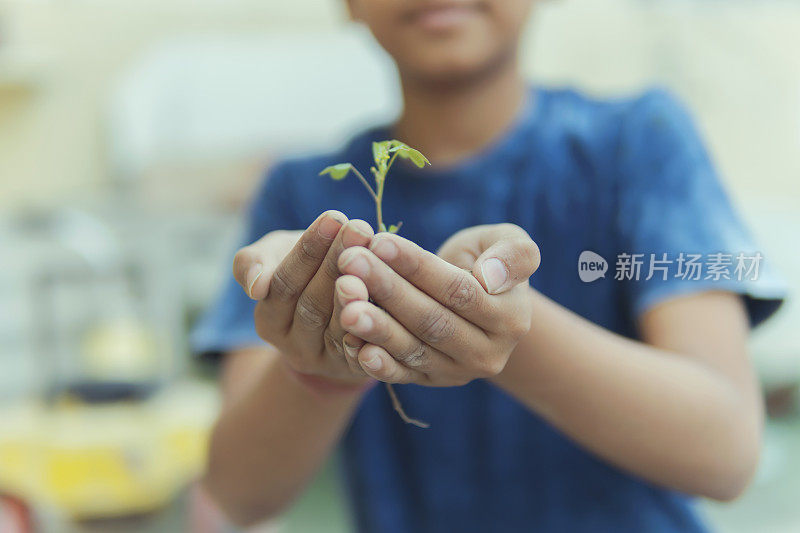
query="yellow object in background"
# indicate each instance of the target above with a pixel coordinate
(87, 461)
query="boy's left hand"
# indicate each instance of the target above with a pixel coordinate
(443, 320)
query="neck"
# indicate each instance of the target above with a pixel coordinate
(450, 122)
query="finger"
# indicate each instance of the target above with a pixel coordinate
(298, 268)
(423, 316)
(461, 248)
(378, 364)
(348, 289)
(312, 315)
(375, 326)
(453, 287)
(462, 259)
(253, 265)
(352, 345)
(510, 260)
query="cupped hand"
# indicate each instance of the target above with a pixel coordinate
(437, 320)
(291, 274)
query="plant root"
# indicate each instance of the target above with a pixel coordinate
(399, 408)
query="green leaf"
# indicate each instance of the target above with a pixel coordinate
(380, 152)
(337, 172)
(394, 228)
(394, 143)
(406, 152)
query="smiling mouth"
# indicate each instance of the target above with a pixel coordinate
(444, 16)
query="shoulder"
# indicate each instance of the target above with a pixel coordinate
(658, 127)
(603, 120)
(584, 105)
(628, 135)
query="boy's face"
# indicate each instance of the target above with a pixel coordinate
(445, 40)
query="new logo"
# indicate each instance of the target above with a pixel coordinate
(591, 266)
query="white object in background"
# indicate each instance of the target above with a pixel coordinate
(228, 97)
(776, 345)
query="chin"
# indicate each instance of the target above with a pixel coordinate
(451, 68)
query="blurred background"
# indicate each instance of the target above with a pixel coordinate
(131, 133)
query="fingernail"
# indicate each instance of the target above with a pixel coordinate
(351, 351)
(329, 227)
(253, 274)
(363, 324)
(385, 249)
(495, 274)
(357, 265)
(361, 227)
(374, 363)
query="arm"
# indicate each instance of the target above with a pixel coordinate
(285, 407)
(682, 410)
(273, 434)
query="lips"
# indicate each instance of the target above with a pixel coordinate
(444, 16)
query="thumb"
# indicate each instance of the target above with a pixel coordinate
(507, 263)
(254, 265)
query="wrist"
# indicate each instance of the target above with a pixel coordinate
(534, 369)
(524, 354)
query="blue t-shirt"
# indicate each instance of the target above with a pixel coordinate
(622, 179)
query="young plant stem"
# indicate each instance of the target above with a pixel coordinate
(337, 172)
(380, 180)
(379, 208)
(365, 182)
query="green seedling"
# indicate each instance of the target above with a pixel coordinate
(384, 153)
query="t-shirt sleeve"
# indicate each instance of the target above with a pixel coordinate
(680, 233)
(227, 323)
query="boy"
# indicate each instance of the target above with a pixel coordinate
(555, 405)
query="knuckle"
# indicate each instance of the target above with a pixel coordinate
(415, 357)
(281, 288)
(517, 327)
(489, 367)
(330, 268)
(461, 294)
(435, 326)
(308, 254)
(310, 313)
(382, 289)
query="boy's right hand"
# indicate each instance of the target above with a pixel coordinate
(292, 275)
